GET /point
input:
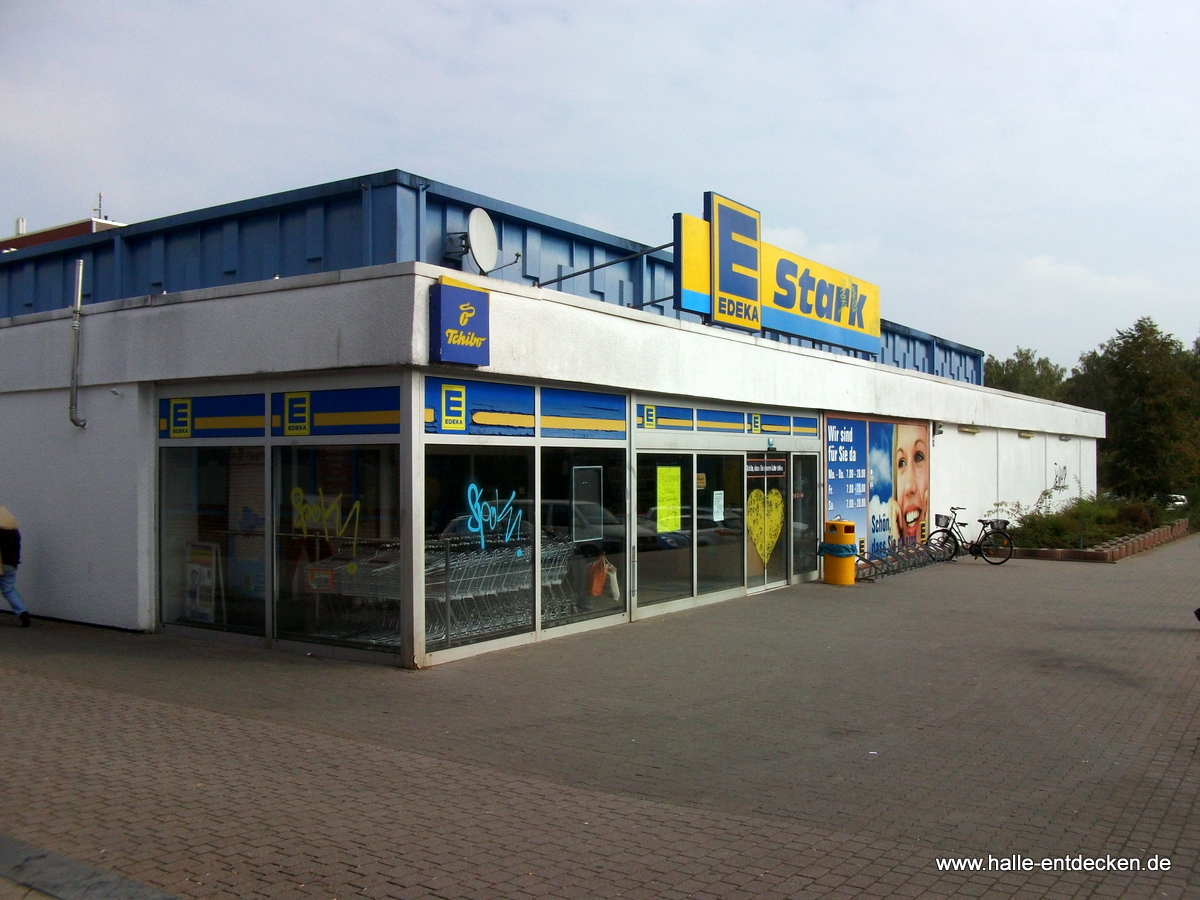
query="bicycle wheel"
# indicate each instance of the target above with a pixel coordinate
(996, 547)
(943, 545)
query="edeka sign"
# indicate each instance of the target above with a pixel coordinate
(734, 257)
(725, 271)
(459, 329)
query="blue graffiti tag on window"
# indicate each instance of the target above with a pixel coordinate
(491, 517)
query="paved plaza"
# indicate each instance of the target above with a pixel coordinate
(811, 742)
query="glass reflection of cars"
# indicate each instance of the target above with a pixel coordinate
(650, 538)
(459, 527)
(709, 531)
(581, 524)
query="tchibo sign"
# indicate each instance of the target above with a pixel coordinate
(459, 324)
(724, 270)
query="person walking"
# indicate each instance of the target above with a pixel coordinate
(10, 558)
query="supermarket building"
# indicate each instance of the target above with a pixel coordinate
(311, 419)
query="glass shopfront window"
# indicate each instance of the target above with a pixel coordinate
(479, 544)
(212, 518)
(583, 534)
(720, 523)
(664, 527)
(337, 548)
(806, 528)
(766, 519)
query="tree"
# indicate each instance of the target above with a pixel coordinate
(1025, 373)
(1146, 383)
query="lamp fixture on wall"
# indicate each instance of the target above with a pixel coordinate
(1064, 437)
(969, 429)
(1025, 434)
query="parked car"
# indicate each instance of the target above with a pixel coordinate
(710, 532)
(589, 525)
(650, 538)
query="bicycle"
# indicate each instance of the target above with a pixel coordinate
(994, 543)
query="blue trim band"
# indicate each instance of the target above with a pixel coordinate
(816, 330)
(837, 549)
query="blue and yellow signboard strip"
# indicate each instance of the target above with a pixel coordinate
(347, 411)
(720, 420)
(664, 418)
(768, 423)
(804, 426)
(582, 414)
(228, 416)
(460, 406)
(693, 264)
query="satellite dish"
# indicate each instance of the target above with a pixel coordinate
(481, 240)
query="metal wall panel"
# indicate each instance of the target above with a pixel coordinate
(373, 220)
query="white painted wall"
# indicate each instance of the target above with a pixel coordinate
(87, 498)
(1021, 467)
(379, 317)
(85, 502)
(998, 466)
(962, 472)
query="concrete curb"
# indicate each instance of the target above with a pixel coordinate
(1111, 551)
(43, 873)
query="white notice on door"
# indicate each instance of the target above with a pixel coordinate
(718, 506)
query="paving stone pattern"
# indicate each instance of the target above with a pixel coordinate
(811, 742)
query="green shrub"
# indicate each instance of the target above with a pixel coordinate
(1083, 522)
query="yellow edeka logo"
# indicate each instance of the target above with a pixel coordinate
(650, 416)
(297, 413)
(755, 423)
(735, 262)
(179, 417)
(454, 407)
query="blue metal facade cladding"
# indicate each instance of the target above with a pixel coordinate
(907, 348)
(387, 217)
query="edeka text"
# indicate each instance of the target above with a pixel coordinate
(828, 301)
(464, 338)
(736, 309)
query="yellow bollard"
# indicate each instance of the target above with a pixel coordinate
(839, 551)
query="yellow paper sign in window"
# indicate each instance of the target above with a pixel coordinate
(670, 510)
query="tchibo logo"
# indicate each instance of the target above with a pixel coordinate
(464, 338)
(458, 324)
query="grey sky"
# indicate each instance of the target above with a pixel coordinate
(1007, 173)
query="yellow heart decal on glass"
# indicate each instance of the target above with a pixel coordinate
(764, 521)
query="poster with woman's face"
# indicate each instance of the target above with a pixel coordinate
(899, 502)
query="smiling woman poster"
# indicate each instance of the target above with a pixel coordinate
(899, 493)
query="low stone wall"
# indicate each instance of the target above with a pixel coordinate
(1111, 551)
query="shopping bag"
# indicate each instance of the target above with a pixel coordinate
(597, 576)
(614, 586)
